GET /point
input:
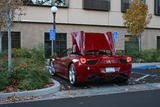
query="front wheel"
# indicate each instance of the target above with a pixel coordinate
(72, 74)
(51, 69)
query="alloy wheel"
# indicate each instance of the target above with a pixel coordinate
(72, 74)
(51, 69)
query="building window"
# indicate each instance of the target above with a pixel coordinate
(103, 5)
(131, 44)
(126, 3)
(158, 42)
(157, 7)
(58, 3)
(60, 44)
(15, 40)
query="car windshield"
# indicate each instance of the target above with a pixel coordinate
(98, 52)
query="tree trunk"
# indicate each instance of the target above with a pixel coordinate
(139, 40)
(0, 41)
(9, 47)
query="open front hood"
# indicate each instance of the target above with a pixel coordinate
(83, 42)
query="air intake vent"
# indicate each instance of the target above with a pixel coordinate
(91, 62)
(103, 5)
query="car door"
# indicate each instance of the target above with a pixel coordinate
(66, 59)
(63, 62)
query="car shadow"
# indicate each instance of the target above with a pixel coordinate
(65, 85)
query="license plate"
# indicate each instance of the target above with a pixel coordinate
(110, 69)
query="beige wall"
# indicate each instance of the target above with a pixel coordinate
(32, 34)
(75, 18)
(76, 15)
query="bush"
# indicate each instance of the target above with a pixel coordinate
(23, 52)
(149, 55)
(158, 56)
(4, 53)
(3, 75)
(3, 80)
(152, 55)
(38, 55)
(34, 80)
(120, 52)
(28, 70)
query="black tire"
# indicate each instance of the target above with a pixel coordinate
(72, 75)
(51, 69)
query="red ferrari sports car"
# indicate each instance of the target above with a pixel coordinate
(92, 56)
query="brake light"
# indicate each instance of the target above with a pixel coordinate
(83, 60)
(129, 59)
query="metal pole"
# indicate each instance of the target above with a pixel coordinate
(54, 21)
(54, 27)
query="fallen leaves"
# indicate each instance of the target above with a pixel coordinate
(15, 99)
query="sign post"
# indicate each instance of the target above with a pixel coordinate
(52, 38)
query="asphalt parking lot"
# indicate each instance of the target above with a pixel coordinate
(138, 76)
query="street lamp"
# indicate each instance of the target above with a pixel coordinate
(54, 9)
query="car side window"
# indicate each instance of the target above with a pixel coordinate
(66, 53)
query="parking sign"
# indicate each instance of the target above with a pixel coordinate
(52, 34)
(115, 34)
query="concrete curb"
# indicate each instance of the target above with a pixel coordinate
(39, 92)
(103, 91)
(145, 65)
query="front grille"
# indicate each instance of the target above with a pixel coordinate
(123, 60)
(91, 62)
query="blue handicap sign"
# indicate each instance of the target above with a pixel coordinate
(115, 34)
(52, 34)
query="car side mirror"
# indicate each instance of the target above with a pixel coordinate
(54, 55)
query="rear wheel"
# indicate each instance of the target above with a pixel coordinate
(51, 69)
(72, 74)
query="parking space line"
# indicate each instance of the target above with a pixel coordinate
(139, 82)
(135, 72)
(142, 77)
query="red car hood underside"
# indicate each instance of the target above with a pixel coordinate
(83, 42)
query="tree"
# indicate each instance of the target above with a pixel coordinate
(1, 25)
(8, 8)
(137, 18)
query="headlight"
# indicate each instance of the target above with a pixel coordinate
(75, 60)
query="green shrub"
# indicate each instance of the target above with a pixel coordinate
(149, 55)
(3, 80)
(3, 74)
(4, 53)
(158, 56)
(23, 52)
(38, 55)
(120, 53)
(28, 70)
(3, 66)
(34, 80)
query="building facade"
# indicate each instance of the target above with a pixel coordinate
(100, 16)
